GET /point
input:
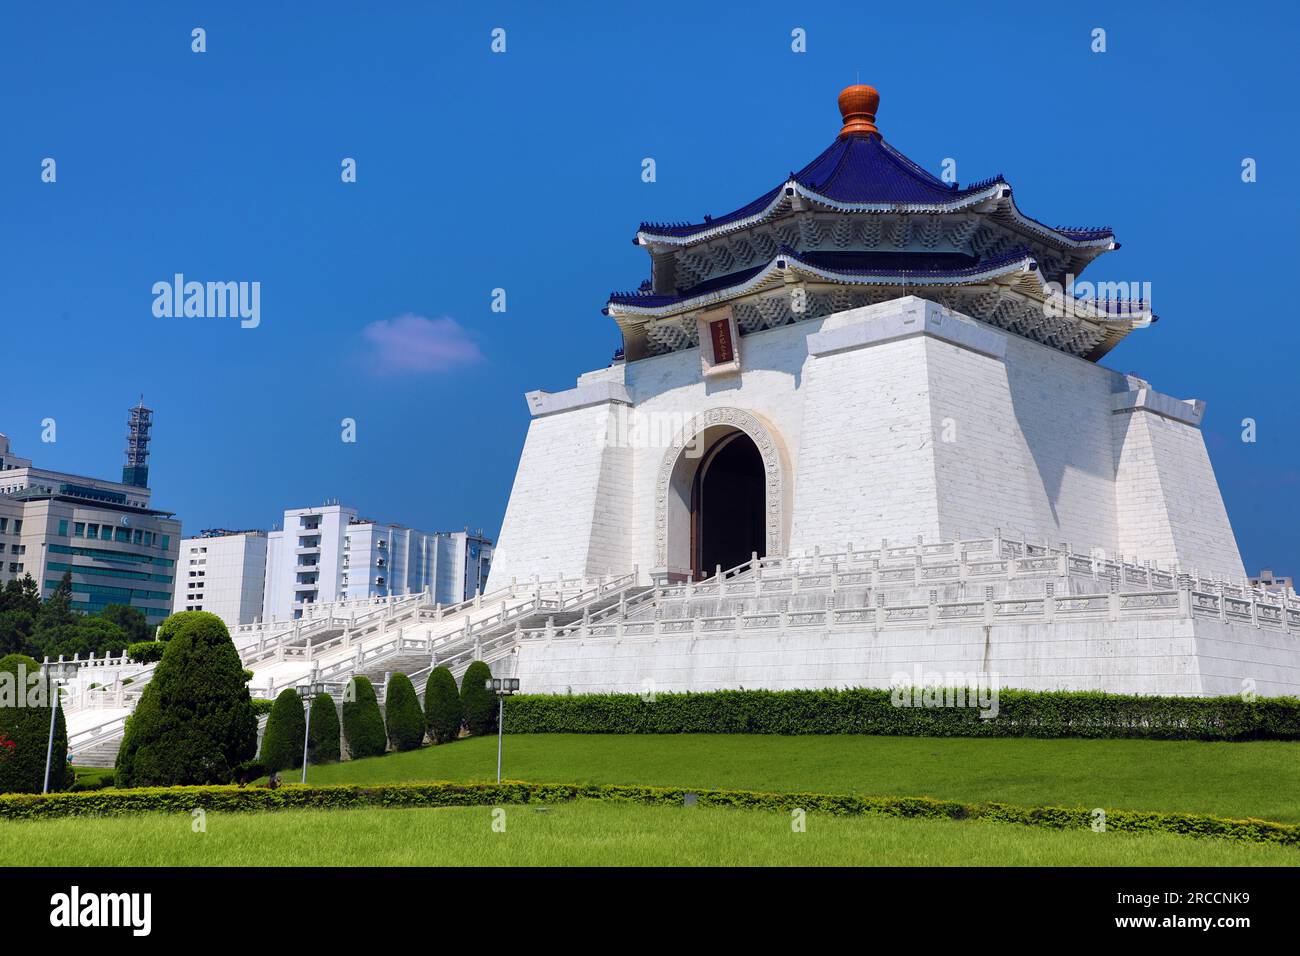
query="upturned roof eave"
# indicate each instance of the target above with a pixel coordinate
(1016, 265)
(998, 191)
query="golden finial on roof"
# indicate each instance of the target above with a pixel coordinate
(858, 104)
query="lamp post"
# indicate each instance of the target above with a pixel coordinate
(309, 693)
(55, 671)
(501, 686)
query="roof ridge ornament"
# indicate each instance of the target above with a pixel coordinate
(858, 105)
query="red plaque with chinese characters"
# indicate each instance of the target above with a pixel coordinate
(720, 334)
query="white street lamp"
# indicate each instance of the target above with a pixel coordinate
(501, 686)
(55, 671)
(309, 693)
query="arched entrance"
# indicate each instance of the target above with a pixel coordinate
(704, 467)
(728, 506)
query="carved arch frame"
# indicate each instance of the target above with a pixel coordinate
(776, 470)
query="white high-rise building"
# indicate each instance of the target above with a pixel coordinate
(223, 572)
(329, 553)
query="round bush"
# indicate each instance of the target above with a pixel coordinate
(285, 729)
(477, 703)
(442, 713)
(363, 724)
(405, 718)
(195, 722)
(25, 731)
(324, 730)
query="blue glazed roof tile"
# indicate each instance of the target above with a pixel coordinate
(862, 170)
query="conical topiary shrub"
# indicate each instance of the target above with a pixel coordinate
(195, 722)
(324, 730)
(405, 718)
(285, 730)
(25, 731)
(442, 713)
(477, 703)
(363, 724)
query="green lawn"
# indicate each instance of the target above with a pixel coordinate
(1225, 779)
(592, 833)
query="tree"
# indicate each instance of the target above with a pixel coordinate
(131, 620)
(57, 609)
(323, 745)
(195, 722)
(20, 602)
(286, 729)
(21, 595)
(15, 632)
(405, 718)
(25, 729)
(477, 703)
(83, 635)
(442, 713)
(363, 724)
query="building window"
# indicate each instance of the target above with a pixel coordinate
(79, 529)
(63, 527)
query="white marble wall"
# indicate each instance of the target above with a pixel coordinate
(893, 421)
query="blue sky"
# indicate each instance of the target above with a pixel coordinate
(522, 171)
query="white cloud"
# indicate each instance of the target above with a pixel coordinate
(412, 343)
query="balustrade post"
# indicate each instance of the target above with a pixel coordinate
(880, 611)
(1049, 602)
(1184, 595)
(1113, 601)
(932, 612)
(989, 610)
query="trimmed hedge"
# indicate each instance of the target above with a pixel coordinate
(294, 796)
(478, 704)
(324, 731)
(405, 718)
(1020, 713)
(442, 711)
(363, 724)
(286, 730)
(146, 652)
